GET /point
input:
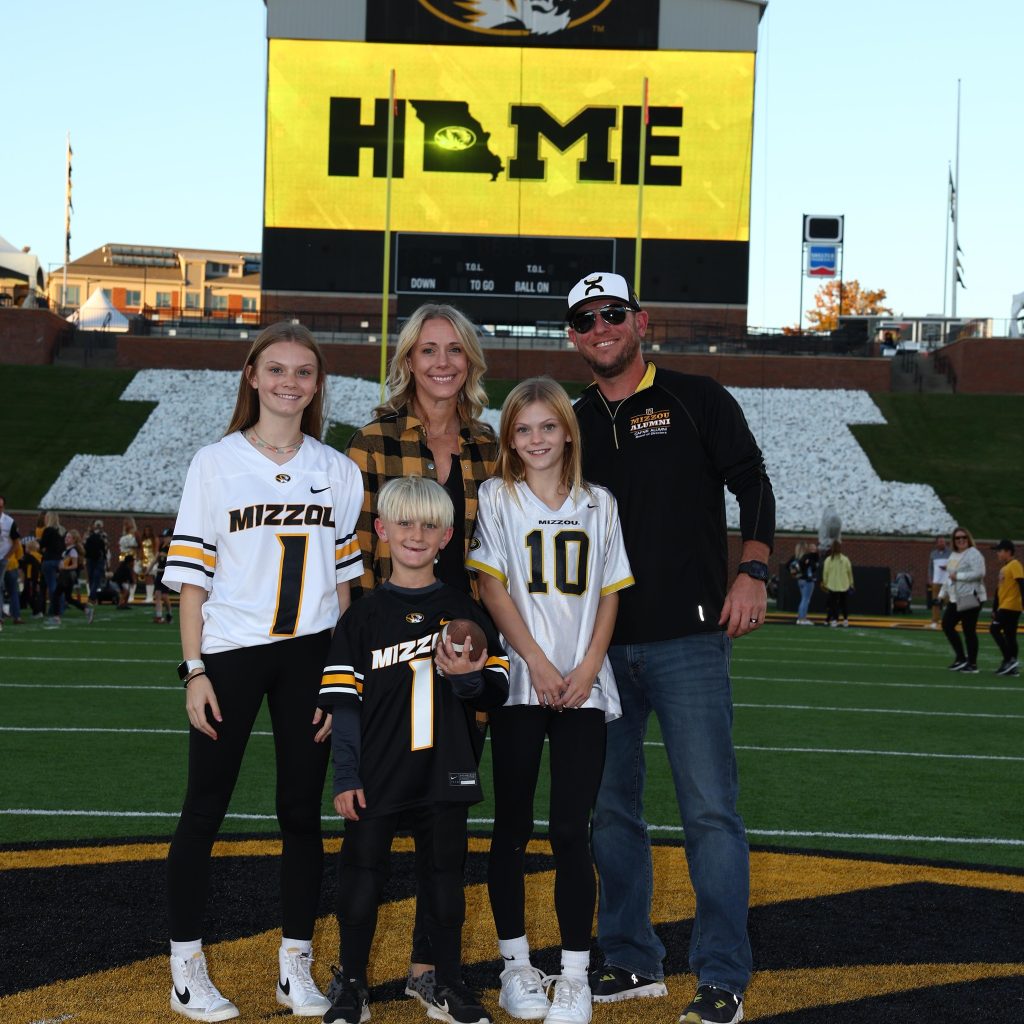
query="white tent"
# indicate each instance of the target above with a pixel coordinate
(22, 265)
(99, 314)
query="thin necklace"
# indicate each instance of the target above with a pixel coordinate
(260, 443)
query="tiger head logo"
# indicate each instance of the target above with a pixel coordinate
(517, 17)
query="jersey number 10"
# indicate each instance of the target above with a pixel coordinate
(570, 546)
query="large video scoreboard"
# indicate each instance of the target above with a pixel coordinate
(515, 168)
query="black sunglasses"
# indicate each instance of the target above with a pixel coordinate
(614, 313)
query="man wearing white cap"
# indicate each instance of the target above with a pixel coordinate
(666, 444)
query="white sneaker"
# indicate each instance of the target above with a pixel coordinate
(193, 995)
(296, 988)
(570, 1001)
(523, 993)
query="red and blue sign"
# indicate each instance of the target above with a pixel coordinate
(821, 260)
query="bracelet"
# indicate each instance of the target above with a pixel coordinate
(192, 675)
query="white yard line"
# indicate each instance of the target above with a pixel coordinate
(877, 711)
(896, 686)
(674, 829)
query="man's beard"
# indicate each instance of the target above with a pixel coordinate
(626, 356)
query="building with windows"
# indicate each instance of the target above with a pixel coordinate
(163, 283)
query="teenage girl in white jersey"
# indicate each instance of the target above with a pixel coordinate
(263, 551)
(551, 559)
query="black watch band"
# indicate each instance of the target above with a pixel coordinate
(756, 570)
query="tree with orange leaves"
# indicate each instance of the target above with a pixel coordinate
(856, 301)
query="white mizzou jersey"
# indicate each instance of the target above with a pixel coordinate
(269, 543)
(556, 567)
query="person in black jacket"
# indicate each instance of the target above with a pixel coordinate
(667, 444)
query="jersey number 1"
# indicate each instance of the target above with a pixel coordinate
(289, 583)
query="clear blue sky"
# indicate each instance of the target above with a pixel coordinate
(855, 115)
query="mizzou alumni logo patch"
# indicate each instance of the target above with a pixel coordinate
(515, 17)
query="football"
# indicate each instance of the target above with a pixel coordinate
(458, 630)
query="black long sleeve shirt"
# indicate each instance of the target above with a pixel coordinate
(667, 452)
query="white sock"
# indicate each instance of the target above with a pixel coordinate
(515, 952)
(575, 962)
(296, 945)
(186, 950)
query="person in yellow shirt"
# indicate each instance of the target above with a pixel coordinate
(837, 582)
(1007, 608)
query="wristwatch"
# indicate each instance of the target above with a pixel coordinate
(186, 668)
(756, 570)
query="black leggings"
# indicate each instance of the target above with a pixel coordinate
(1004, 632)
(288, 673)
(835, 605)
(576, 758)
(969, 624)
(439, 831)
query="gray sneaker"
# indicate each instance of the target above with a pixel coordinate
(421, 987)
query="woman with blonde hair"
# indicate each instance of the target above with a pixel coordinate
(964, 594)
(429, 425)
(51, 545)
(263, 552)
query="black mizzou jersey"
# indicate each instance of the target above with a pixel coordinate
(419, 743)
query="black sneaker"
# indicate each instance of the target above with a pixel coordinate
(613, 985)
(957, 665)
(1008, 667)
(350, 1001)
(969, 669)
(456, 1004)
(713, 1006)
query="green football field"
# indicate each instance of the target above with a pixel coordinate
(849, 741)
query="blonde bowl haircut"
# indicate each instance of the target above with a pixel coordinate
(401, 384)
(417, 499)
(247, 403)
(510, 466)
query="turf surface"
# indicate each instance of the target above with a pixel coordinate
(900, 781)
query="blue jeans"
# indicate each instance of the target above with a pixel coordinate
(50, 568)
(686, 683)
(806, 592)
(97, 569)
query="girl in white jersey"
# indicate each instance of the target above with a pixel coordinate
(551, 559)
(263, 551)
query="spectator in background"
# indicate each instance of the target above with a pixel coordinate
(8, 575)
(67, 579)
(34, 594)
(162, 598)
(12, 580)
(1007, 608)
(148, 546)
(964, 591)
(51, 544)
(936, 577)
(837, 582)
(807, 575)
(123, 580)
(97, 550)
(128, 544)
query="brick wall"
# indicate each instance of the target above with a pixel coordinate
(987, 365)
(28, 337)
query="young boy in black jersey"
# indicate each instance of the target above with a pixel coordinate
(406, 745)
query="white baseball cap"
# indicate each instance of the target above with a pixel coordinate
(601, 284)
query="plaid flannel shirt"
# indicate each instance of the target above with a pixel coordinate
(395, 445)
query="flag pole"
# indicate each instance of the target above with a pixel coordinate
(386, 287)
(956, 206)
(67, 230)
(950, 199)
(637, 254)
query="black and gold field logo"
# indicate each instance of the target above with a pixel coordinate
(515, 17)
